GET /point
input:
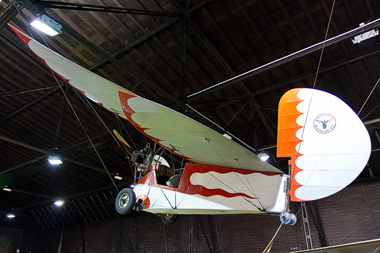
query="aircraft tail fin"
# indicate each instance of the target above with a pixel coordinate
(328, 143)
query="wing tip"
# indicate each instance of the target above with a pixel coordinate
(25, 38)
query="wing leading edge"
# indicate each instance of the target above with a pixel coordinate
(176, 132)
(188, 138)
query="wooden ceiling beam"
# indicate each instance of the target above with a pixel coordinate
(47, 152)
(7, 15)
(99, 8)
(31, 103)
(23, 91)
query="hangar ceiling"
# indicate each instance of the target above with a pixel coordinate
(166, 51)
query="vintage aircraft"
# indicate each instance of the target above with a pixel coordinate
(327, 142)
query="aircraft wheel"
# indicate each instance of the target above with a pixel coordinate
(125, 201)
(169, 219)
(288, 218)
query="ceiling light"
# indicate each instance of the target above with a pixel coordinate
(54, 159)
(11, 215)
(47, 25)
(7, 189)
(263, 156)
(59, 202)
(118, 177)
(365, 36)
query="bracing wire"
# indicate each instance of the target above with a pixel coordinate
(73, 110)
(18, 8)
(261, 209)
(235, 192)
(253, 191)
(208, 141)
(175, 192)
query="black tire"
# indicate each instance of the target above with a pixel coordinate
(125, 201)
(169, 219)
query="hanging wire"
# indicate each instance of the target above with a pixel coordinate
(323, 47)
(122, 126)
(19, 7)
(368, 98)
(101, 120)
(315, 81)
(153, 60)
(270, 244)
(88, 137)
(371, 111)
(76, 115)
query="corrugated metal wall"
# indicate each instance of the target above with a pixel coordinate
(349, 216)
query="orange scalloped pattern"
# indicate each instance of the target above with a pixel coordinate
(128, 111)
(286, 135)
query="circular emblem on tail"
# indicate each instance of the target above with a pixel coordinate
(324, 123)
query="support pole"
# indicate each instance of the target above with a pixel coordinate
(60, 241)
(191, 234)
(306, 226)
(83, 239)
(211, 233)
(136, 234)
(317, 222)
(115, 231)
(205, 236)
(125, 233)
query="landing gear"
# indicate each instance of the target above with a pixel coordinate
(288, 218)
(125, 201)
(169, 219)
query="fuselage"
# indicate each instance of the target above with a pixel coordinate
(206, 189)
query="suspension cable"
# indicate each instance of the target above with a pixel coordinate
(374, 87)
(77, 117)
(314, 84)
(323, 47)
(122, 126)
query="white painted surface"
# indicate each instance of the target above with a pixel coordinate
(268, 192)
(330, 157)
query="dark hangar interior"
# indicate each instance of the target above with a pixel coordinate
(223, 63)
